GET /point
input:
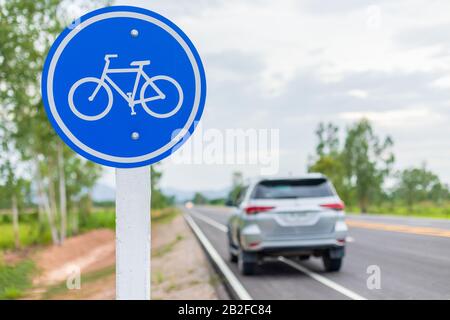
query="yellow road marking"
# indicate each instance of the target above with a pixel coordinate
(426, 231)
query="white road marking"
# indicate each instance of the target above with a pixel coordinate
(210, 221)
(232, 280)
(325, 281)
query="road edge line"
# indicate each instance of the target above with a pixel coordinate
(231, 279)
(210, 221)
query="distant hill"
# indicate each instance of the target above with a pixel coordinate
(184, 195)
(102, 192)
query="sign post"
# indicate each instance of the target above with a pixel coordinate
(125, 87)
(133, 233)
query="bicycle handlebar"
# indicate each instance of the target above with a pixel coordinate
(108, 56)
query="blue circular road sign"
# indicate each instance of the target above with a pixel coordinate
(123, 86)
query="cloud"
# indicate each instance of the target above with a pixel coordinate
(176, 8)
(410, 117)
(337, 7)
(429, 35)
(291, 64)
(357, 93)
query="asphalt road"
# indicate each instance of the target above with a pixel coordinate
(413, 256)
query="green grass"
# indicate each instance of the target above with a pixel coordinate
(107, 218)
(425, 210)
(29, 234)
(158, 277)
(159, 252)
(15, 279)
(165, 215)
(99, 219)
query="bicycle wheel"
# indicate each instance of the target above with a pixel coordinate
(150, 107)
(83, 116)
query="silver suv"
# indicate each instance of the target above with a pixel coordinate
(298, 217)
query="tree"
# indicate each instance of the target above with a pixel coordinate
(27, 28)
(199, 198)
(237, 182)
(159, 199)
(328, 143)
(328, 158)
(80, 177)
(367, 161)
(18, 191)
(419, 184)
(333, 168)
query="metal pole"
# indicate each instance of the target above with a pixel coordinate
(133, 233)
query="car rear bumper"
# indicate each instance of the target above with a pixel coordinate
(251, 239)
(316, 243)
(303, 247)
(288, 247)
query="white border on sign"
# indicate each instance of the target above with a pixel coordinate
(68, 133)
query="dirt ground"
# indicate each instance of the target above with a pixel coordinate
(179, 267)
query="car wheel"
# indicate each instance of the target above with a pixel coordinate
(232, 256)
(331, 264)
(246, 263)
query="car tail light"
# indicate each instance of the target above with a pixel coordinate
(254, 244)
(257, 209)
(338, 206)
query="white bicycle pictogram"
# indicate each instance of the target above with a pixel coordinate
(106, 83)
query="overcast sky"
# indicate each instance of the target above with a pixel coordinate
(288, 65)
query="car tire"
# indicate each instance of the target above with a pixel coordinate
(247, 263)
(232, 256)
(331, 264)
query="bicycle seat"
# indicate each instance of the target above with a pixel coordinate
(140, 63)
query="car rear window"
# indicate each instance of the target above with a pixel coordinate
(293, 188)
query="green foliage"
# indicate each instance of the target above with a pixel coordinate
(199, 198)
(217, 202)
(164, 215)
(367, 161)
(236, 187)
(358, 167)
(15, 279)
(12, 185)
(328, 139)
(333, 168)
(159, 200)
(29, 234)
(27, 29)
(418, 185)
(426, 209)
(99, 219)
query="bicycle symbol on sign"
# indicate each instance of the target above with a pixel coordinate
(106, 83)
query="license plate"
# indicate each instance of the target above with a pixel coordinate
(295, 218)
